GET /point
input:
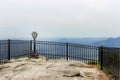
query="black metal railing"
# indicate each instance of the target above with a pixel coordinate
(51, 50)
(68, 51)
(3, 50)
(107, 57)
(13, 49)
(19, 48)
(110, 60)
(84, 53)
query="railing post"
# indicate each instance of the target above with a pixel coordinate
(101, 57)
(67, 51)
(35, 53)
(30, 47)
(8, 49)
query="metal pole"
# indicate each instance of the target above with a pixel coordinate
(34, 35)
(30, 47)
(8, 49)
(67, 51)
(101, 61)
(34, 46)
(99, 55)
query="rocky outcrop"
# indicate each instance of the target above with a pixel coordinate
(44, 69)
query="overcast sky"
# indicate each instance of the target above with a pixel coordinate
(59, 18)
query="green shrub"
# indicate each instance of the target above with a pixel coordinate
(106, 71)
(98, 66)
(92, 62)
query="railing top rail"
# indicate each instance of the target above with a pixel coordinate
(20, 40)
(64, 43)
(3, 40)
(87, 45)
(53, 42)
(110, 47)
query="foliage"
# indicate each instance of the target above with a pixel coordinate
(92, 62)
(106, 70)
(98, 66)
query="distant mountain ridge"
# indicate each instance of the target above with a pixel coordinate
(80, 40)
(113, 42)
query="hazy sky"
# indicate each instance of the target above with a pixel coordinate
(59, 18)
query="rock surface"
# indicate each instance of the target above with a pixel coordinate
(44, 69)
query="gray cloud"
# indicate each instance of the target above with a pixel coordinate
(60, 18)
